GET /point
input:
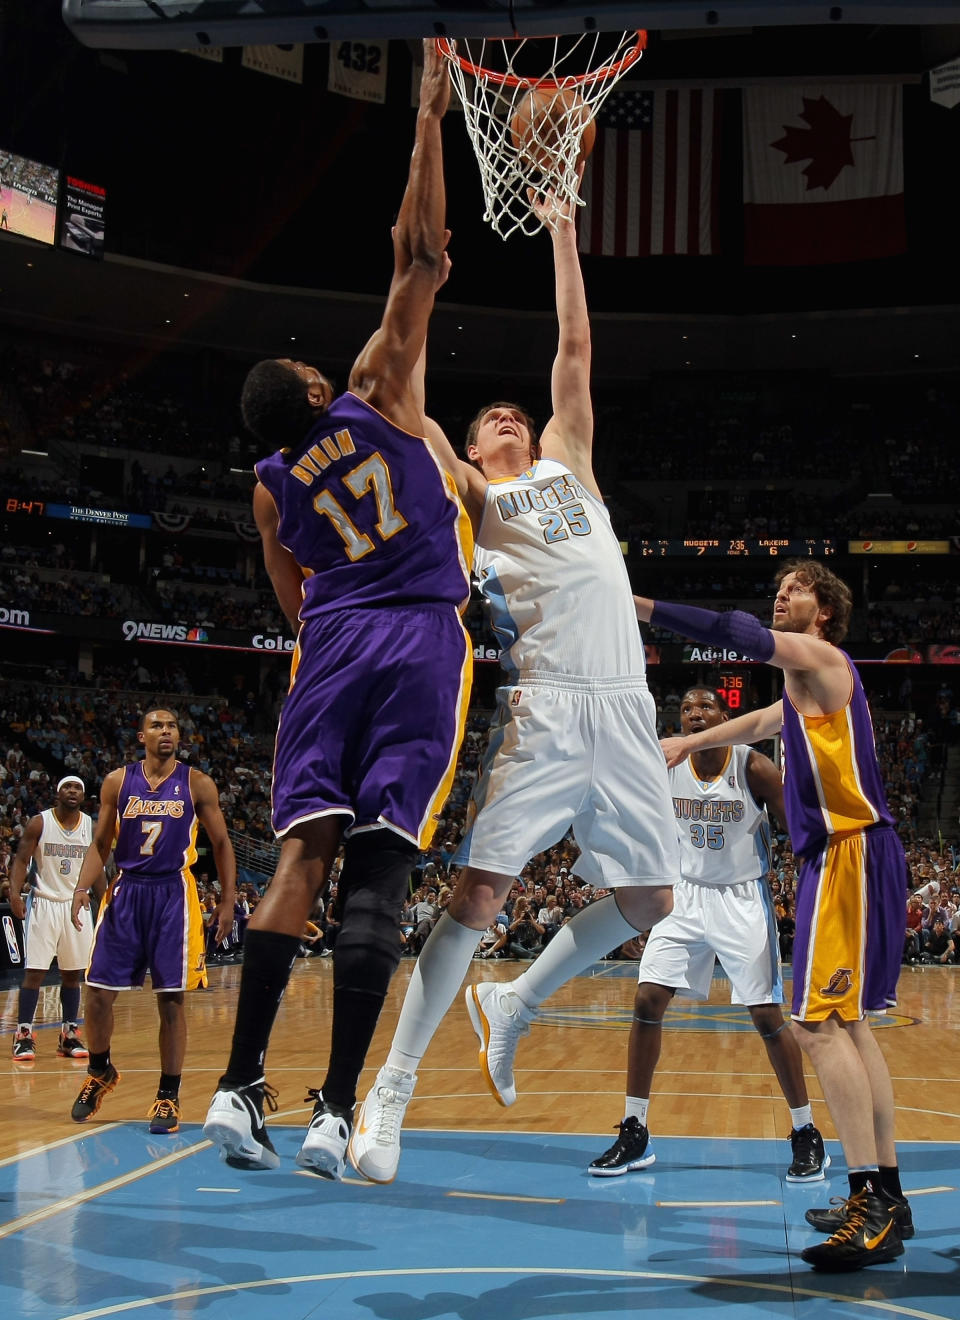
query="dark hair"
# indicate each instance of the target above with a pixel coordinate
(152, 711)
(528, 421)
(274, 405)
(830, 591)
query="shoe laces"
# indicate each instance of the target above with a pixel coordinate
(91, 1086)
(270, 1094)
(390, 1109)
(164, 1107)
(322, 1110)
(856, 1217)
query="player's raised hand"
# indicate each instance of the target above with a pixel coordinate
(435, 83)
(554, 211)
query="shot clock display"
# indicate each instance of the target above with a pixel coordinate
(735, 689)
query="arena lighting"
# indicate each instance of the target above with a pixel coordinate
(241, 469)
(40, 453)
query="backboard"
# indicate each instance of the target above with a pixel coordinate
(176, 24)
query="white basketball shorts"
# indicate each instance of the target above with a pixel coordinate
(734, 923)
(580, 752)
(51, 934)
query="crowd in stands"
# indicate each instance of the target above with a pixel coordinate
(748, 461)
(48, 731)
(237, 609)
(769, 458)
(209, 596)
(932, 932)
(81, 593)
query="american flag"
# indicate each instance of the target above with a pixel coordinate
(652, 181)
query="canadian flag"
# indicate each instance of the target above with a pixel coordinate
(823, 174)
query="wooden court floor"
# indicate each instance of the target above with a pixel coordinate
(492, 1208)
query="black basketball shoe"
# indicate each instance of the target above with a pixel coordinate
(809, 1158)
(868, 1235)
(829, 1220)
(630, 1151)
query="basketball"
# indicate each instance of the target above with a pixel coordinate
(545, 119)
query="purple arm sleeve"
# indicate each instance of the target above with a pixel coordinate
(738, 630)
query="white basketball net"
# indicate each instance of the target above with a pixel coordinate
(492, 89)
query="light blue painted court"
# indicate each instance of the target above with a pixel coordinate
(478, 1225)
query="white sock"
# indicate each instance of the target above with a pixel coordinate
(437, 976)
(593, 932)
(802, 1116)
(636, 1108)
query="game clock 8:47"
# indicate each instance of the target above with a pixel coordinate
(13, 504)
(735, 688)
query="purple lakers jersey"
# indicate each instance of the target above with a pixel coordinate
(832, 782)
(369, 514)
(156, 827)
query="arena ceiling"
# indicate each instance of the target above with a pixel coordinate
(286, 195)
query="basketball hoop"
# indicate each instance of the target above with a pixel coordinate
(530, 129)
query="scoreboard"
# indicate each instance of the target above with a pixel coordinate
(722, 546)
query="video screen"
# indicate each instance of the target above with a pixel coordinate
(82, 209)
(28, 197)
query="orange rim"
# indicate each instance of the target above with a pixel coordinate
(447, 47)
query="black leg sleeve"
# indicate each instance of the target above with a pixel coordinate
(375, 883)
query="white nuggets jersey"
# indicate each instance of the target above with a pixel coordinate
(724, 833)
(549, 564)
(60, 855)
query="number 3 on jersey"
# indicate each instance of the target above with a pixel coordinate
(372, 474)
(713, 838)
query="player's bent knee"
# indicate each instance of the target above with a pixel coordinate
(478, 898)
(644, 905)
(769, 1025)
(376, 877)
(650, 1003)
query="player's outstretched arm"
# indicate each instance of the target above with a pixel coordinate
(91, 877)
(381, 374)
(801, 653)
(568, 436)
(750, 728)
(206, 799)
(18, 867)
(470, 484)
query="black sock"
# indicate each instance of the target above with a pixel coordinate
(890, 1181)
(867, 1180)
(169, 1087)
(98, 1063)
(267, 962)
(355, 1014)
